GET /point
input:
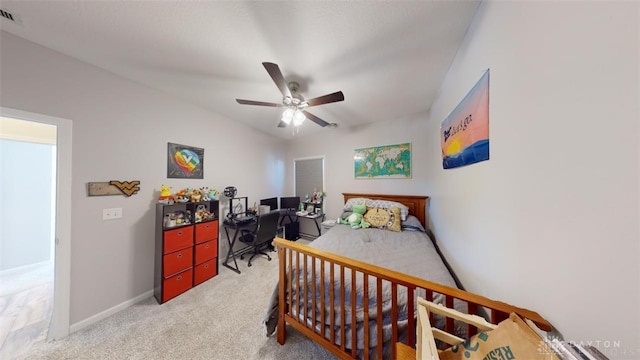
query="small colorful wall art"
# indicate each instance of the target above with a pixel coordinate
(185, 162)
(464, 134)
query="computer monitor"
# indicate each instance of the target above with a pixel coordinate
(271, 202)
(291, 202)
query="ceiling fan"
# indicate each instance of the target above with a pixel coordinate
(293, 101)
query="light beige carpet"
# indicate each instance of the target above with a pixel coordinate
(219, 319)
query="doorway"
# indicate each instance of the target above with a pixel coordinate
(43, 267)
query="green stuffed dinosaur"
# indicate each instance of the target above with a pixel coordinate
(356, 220)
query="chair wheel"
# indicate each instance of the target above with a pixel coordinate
(268, 259)
(249, 265)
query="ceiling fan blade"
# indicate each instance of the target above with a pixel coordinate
(276, 75)
(314, 118)
(329, 98)
(260, 103)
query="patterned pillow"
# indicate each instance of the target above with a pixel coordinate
(384, 218)
(348, 206)
(404, 210)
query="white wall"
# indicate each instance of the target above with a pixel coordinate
(550, 222)
(26, 179)
(28, 163)
(120, 132)
(337, 146)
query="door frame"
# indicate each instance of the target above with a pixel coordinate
(60, 318)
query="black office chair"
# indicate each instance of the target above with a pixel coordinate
(261, 236)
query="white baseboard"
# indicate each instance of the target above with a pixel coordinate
(105, 314)
(26, 268)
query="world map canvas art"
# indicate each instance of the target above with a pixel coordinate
(389, 161)
(185, 162)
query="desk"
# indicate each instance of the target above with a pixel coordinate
(231, 241)
(289, 214)
(289, 224)
(317, 219)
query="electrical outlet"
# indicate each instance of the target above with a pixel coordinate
(111, 214)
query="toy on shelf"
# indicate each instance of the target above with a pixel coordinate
(196, 195)
(205, 193)
(181, 219)
(188, 195)
(317, 197)
(177, 218)
(165, 195)
(181, 196)
(168, 221)
(202, 214)
(213, 194)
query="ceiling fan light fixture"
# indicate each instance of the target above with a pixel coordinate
(298, 118)
(293, 102)
(287, 116)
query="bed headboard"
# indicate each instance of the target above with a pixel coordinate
(417, 204)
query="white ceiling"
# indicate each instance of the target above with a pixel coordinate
(387, 57)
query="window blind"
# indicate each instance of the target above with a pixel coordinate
(309, 175)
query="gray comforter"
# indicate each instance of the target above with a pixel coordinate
(409, 252)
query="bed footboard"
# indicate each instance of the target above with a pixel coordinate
(328, 314)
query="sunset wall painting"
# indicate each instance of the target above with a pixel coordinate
(464, 134)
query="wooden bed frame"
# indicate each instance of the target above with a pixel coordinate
(290, 253)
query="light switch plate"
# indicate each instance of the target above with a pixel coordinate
(111, 214)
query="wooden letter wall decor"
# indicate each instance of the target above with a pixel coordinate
(114, 187)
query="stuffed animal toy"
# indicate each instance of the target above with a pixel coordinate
(165, 195)
(205, 193)
(213, 194)
(196, 195)
(356, 220)
(181, 196)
